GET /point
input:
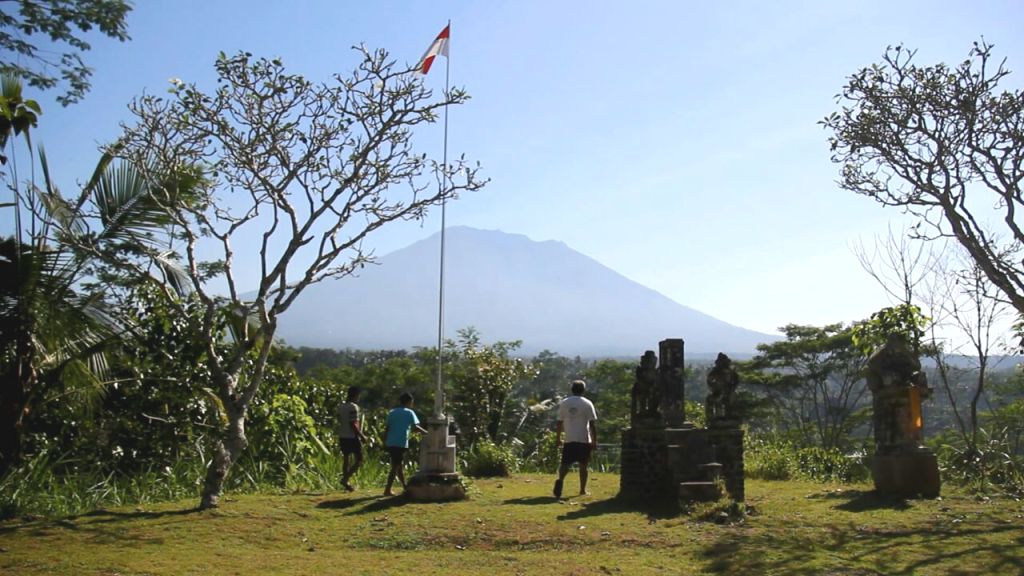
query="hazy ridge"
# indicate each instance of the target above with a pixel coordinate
(510, 288)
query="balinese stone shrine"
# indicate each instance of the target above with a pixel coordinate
(902, 466)
(666, 457)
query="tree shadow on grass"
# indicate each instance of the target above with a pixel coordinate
(864, 501)
(857, 550)
(92, 518)
(654, 510)
(101, 524)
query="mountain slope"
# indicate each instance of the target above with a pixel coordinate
(509, 288)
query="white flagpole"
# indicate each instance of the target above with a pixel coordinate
(439, 396)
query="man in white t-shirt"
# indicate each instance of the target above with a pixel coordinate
(577, 418)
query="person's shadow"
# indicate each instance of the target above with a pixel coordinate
(343, 503)
(531, 501)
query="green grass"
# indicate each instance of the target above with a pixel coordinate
(514, 526)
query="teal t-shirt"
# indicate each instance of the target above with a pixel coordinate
(400, 420)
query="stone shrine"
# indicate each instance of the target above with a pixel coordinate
(437, 479)
(666, 457)
(902, 466)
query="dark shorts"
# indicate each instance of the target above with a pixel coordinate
(397, 454)
(350, 446)
(573, 452)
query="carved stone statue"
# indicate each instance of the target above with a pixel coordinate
(897, 386)
(722, 381)
(646, 390)
(902, 465)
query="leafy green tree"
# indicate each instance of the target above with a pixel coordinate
(945, 144)
(58, 58)
(154, 408)
(609, 386)
(554, 372)
(56, 322)
(481, 379)
(905, 320)
(309, 170)
(814, 380)
(18, 115)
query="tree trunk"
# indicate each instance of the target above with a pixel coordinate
(11, 406)
(226, 452)
(14, 406)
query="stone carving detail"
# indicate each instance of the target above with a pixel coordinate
(657, 395)
(670, 372)
(722, 381)
(646, 391)
(897, 386)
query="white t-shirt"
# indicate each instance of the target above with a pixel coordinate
(575, 414)
(348, 412)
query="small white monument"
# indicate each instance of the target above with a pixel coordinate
(437, 478)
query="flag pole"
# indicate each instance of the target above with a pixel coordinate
(439, 396)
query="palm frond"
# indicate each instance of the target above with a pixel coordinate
(173, 273)
(127, 207)
(67, 218)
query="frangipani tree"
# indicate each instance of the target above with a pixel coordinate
(289, 176)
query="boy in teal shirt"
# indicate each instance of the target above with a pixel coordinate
(396, 438)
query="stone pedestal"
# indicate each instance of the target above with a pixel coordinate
(708, 454)
(908, 474)
(437, 450)
(657, 462)
(699, 491)
(644, 473)
(437, 478)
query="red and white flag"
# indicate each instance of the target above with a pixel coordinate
(440, 46)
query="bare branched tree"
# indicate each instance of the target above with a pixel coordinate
(944, 144)
(294, 173)
(966, 313)
(898, 264)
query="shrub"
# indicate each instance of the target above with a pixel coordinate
(830, 465)
(546, 457)
(769, 460)
(989, 466)
(486, 459)
(775, 459)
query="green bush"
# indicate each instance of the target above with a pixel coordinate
(991, 466)
(776, 459)
(485, 459)
(769, 460)
(830, 465)
(546, 457)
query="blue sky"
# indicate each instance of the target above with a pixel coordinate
(675, 142)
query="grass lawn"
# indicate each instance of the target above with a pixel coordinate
(515, 526)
